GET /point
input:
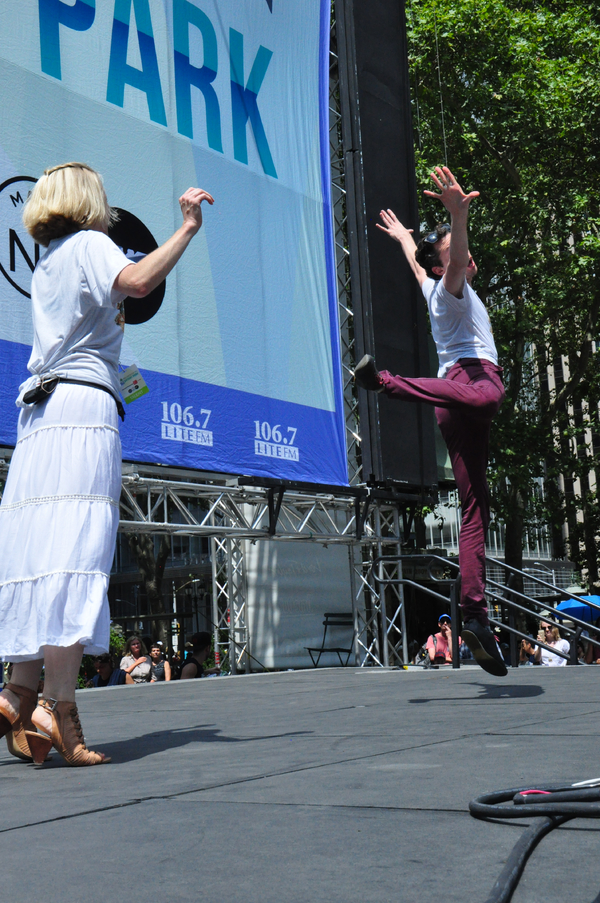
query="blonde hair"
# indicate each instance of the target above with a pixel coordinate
(66, 199)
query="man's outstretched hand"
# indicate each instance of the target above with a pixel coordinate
(452, 196)
(393, 226)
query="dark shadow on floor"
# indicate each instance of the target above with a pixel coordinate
(149, 744)
(489, 691)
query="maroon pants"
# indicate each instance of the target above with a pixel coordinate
(465, 400)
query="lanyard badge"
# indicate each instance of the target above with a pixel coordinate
(133, 384)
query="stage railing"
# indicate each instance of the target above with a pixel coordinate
(501, 594)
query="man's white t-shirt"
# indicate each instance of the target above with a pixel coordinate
(461, 326)
(76, 313)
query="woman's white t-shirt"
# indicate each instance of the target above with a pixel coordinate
(460, 326)
(555, 661)
(76, 313)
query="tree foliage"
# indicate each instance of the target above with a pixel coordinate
(514, 89)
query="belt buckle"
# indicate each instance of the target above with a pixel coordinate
(51, 383)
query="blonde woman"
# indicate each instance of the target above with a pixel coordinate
(549, 634)
(59, 512)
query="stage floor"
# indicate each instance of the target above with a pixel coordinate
(329, 785)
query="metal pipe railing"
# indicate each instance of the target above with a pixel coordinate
(503, 600)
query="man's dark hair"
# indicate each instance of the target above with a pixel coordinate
(427, 254)
(200, 641)
(104, 659)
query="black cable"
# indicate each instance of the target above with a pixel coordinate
(549, 806)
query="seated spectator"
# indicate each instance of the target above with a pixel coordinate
(527, 652)
(194, 664)
(439, 645)
(550, 635)
(413, 652)
(160, 669)
(175, 663)
(136, 661)
(108, 675)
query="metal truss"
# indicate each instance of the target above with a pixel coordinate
(380, 618)
(229, 604)
(230, 512)
(236, 509)
(342, 264)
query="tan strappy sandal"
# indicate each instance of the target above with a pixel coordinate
(16, 737)
(66, 735)
(13, 724)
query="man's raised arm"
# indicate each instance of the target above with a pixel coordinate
(395, 229)
(456, 203)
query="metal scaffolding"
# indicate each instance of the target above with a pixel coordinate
(230, 510)
(342, 263)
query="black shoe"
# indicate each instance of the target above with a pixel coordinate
(366, 374)
(482, 643)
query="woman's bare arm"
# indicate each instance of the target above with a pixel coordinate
(138, 279)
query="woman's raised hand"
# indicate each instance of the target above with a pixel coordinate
(190, 203)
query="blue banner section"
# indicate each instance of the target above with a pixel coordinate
(205, 427)
(241, 352)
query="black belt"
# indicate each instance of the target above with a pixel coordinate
(41, 392)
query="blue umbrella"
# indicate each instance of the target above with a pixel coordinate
(595, 614)
(576, 608)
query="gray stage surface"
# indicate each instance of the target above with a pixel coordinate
(330, 785)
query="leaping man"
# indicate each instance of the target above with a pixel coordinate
(467, 393)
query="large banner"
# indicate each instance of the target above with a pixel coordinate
(241, 351)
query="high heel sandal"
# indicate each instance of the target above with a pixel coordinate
(66, 735)
(7, 713)
(16, 737)
(14, 727)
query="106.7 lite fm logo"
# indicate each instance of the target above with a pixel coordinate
(19, 253)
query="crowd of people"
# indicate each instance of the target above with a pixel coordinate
(437, 649)
(588, 650)
(137, 666)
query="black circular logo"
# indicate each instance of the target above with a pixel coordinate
(136, 240)
(18, 251)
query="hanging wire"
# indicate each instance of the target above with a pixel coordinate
(417, 109)
(437, 56)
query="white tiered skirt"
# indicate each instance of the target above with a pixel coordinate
(58, 523)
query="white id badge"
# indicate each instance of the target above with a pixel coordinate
(133, 384)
